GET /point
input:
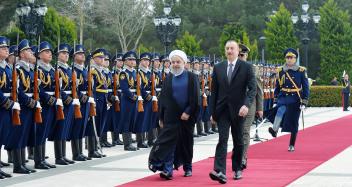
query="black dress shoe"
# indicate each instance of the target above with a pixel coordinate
(48, 164)
(2, 177)
(203, 134)
(86, 157)
(210, 132)
(2, 173)
(196, 135)
(41, 166)
(188, 174)
(130, 148)
(29, 169)
(21, 170)
(166, 175)
(61, 162)
(101, 154)
(79, 158)
(272, 132)
(94, 155)
(4, 164)
(291, 148)
(69, 161)
(237, 175)
(215, 130)
(218, 176)
(142, 145)
(118, 142)
(108, 144)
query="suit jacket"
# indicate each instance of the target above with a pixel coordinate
(170, 111)
(232, 96)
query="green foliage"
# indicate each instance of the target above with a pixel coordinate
(12, 35)
(335, 42)
(325, 96)
(56, 26)
(234, 31)
(279, 35)
(142, 49)
(189, 44)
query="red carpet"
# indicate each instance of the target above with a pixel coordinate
(270, 164)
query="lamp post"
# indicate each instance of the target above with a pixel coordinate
(31, 18)
(262, 44)
(305, 18)
(167, 27)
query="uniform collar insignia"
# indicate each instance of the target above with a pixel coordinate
(44, 66)
(62, 65)
(3, 64)
(294, 68)
(79, 66)
(24, 65)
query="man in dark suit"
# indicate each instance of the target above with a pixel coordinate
(233, 91)
(346, 92)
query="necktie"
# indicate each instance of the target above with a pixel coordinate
(229, 74)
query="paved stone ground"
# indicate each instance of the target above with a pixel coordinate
(121, 167)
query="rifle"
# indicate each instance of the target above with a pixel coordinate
(15, 113)
(154, 102)
(77, 108)
(138, 90)
(38, 113)
(60, 111)
(92, 110)
(163, 72)
(117, 102)
(205, 103)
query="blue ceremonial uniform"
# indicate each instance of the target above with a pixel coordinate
(47, 98)
(109, 126)
(80, 124)
(116, 115)
(61, 130)
(5, 102)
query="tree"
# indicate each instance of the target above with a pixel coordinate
(234, 31)
(189, 44)
(127, 18)
(56, 26)
(279, 35)
(335, 42)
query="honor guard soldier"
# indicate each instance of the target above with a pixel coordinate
(346, 92)
(108, 126)
(100, 90)
(165, 65)
(255, 109)
(291, 96)
(188, 64)
(144, 119)
(128, 99)
(28, 105)
(6, 103)
(116, 108)
(11, 58)
(48, 101)
(79, 124)
(61, 131)
(206, 100)
(153, 130)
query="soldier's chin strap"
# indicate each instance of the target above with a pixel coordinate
(299, 95)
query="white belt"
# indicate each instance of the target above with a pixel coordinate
(110, 90)
(68, 92)
(29, 94)
(84, 92)
(158, 89)
(131, 90)
(7, 94)
(207, 88)
(50, 93)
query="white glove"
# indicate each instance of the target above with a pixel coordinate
(154, 98)
(204, 95)
(274, 105)
(302, 107)
(140, 98)
(108, 106)
(39, 82)
(117, 98)
(59, 102)
(16, 106)
(76, 102)
(38, 105)
(91, 100)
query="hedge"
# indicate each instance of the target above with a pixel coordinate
(325, 96)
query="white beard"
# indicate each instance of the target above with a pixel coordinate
(177, 72)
